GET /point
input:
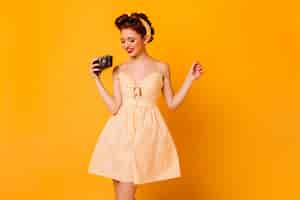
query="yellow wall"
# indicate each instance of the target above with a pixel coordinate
(237, 131)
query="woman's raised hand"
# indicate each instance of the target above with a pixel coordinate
(195, 71)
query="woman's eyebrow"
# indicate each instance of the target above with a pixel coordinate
(127, 38)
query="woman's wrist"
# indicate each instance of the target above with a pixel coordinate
(189, 79)
(96, 77)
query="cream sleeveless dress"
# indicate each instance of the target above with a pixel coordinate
(135, 144)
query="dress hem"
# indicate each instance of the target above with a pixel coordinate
(136, 183)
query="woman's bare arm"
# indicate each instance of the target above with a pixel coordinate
(113, 102)
(174, 100)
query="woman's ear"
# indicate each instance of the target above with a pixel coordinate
(146, 39)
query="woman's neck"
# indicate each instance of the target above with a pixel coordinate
(140, 58)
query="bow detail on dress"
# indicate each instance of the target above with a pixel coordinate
(137, 91)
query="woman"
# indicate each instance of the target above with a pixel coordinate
(135, 145)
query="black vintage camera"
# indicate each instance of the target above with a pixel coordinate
(102, 62)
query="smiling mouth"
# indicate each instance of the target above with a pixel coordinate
(130, 50)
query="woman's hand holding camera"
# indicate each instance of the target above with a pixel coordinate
(99, 64)
(95, 68)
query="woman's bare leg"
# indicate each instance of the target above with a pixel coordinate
(115, 182)
(124, 190)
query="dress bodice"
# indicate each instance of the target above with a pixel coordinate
(143, 92)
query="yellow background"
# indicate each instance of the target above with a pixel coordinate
(237, 131)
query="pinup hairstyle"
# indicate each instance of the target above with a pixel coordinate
(134, 22)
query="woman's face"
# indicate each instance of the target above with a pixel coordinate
(132, 42)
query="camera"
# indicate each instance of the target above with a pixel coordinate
(102, 62)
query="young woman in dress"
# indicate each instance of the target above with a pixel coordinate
(152, 76)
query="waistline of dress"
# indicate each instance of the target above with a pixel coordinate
(139, 102)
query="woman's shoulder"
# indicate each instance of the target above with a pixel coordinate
(157, 61)
(115, 71)
(121, 67)
(118, 68)
(163, 66)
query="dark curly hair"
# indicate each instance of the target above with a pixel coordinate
(133, 22)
